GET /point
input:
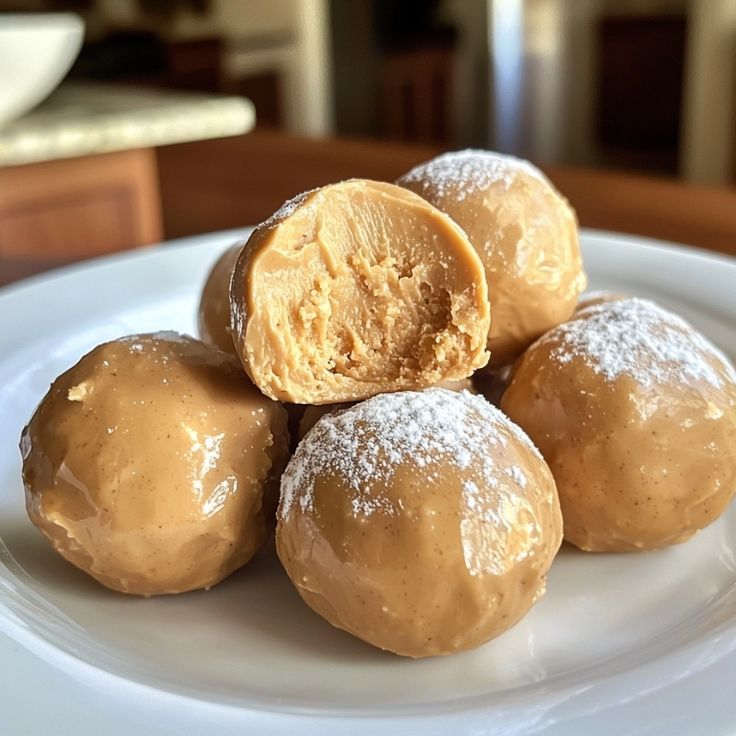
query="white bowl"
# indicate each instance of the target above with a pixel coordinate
(36, 51)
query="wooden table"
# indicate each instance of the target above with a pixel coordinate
(240, 181)
(231, 182)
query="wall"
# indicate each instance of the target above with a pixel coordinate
(558, 73)
(472, 75)
(709, 131)
(287, 36)
(578, 143)
(354, 43)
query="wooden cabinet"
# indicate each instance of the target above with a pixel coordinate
(66, 210)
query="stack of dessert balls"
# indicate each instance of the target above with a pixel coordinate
(330, 396)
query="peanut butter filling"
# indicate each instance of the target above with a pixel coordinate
(355, 289)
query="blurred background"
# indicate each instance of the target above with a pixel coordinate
(177, 117)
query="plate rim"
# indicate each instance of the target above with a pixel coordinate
(85, 670)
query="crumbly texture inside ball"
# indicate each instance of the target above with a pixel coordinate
(213, 315)
(524, 232)
(635, 412)
(152, 464)
(354, 289)
(422, 522)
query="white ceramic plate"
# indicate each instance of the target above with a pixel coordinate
(612, 630)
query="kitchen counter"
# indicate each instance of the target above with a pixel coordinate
(86, 119)
(78, 175)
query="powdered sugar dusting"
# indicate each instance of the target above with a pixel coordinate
(638, 338)
(367, 442)
(517, 475)
(463, 174)
(135, 343)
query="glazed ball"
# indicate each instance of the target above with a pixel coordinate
(421, 522)
(525, 233)
(356, 289)
(213, 315)
(153, 464)
(312, 414)
(635, 412)
(466, 384)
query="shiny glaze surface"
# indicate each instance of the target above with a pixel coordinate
(443, 545)
(641, 460)
(525, 233)
(213, 314)
(147, 463)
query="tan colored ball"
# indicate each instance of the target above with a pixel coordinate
(213, 315)
(525, 233)
(635, 412)
(423, 522)
(153, 464)
(355, 289)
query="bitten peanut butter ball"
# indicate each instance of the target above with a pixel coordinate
(422, 522)
(525, 233)
(635, 412)
(355, 289)
(213, 315)
(153, 464)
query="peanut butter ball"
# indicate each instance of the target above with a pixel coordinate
(525, 233)
(312, 414)
(213, 315)
(635, 412)
(466, 384)
(423, 522)
(355, 289)
(153, 464)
